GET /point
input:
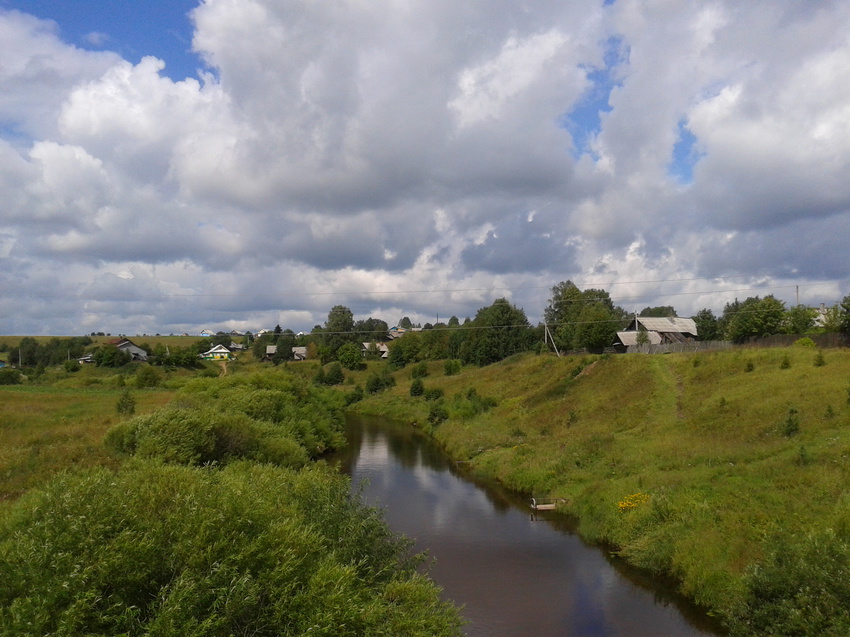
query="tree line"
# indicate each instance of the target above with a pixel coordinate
(574, 320)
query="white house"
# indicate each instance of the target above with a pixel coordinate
(217, 353)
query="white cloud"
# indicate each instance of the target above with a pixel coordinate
(416, 157)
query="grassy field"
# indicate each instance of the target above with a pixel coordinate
(695, 465)
(45, 430)
(729, 471)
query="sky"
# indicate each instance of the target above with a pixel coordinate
(173, 166)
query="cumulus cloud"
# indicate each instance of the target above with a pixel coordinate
(422, 158)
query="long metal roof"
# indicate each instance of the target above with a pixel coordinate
(668, 324)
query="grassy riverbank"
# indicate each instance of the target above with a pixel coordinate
(728, 470)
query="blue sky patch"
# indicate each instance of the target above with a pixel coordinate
(161, 28)
(584, 121)
(686, 154)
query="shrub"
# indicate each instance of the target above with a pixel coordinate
(356, 395)
(9, 376)
(417, 387)
(192, 436)
(126, 405)
(420, 370)
(148, 377)
(435, 393)
(334, 374)
(800, 588)
(750, 366)
(166, 550)
(71, 366)
(437, 414)
(820, 361)
(379, 381)
(452, 367)
(805, 342)
(791, 425)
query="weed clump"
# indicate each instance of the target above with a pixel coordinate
(417, 387)
(791, 424)
(126, 405)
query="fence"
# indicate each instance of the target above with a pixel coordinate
(832, 339)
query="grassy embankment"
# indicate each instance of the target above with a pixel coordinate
(702, 466)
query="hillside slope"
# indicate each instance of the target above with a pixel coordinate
(727, 470)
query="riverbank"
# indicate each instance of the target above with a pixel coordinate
(726, 470)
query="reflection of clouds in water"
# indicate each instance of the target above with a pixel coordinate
(515, 576)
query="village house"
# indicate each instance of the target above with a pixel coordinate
(126, 345)
(381, 348)
(658, 331)
(217, 353)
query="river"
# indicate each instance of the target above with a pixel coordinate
(512, 575)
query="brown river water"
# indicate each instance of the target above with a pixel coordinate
(513, 576)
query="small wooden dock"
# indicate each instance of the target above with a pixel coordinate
(546, 504)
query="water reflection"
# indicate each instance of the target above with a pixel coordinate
(513, 576)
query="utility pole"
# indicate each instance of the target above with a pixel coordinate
(547, 333)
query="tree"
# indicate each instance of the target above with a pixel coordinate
(111, 356)
(755, 317)
(662, 311)
(405, 350)
(597, 326)
(285, 343)
(371, 329)
(454, 322)
(349, 356)
(405, 323)
(831, 319)
(562, 313)
(338, 328)
(499, 330)
(844, 323)
(579, 319)
(708, 328)
(800, 319)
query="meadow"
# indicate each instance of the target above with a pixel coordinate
(725, 471)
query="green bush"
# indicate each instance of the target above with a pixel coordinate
(379, 381)
(198, 436)
(805, 342)
(172, 551)
(435, 393)
(334, 374)
(126, 405)
(71, 366)
(354, 396)
(791, 425)
(9, 376)
(148, 377)
(417, 387)
(801, 587)
(437, 413)
(452, 367)
(420, 370)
